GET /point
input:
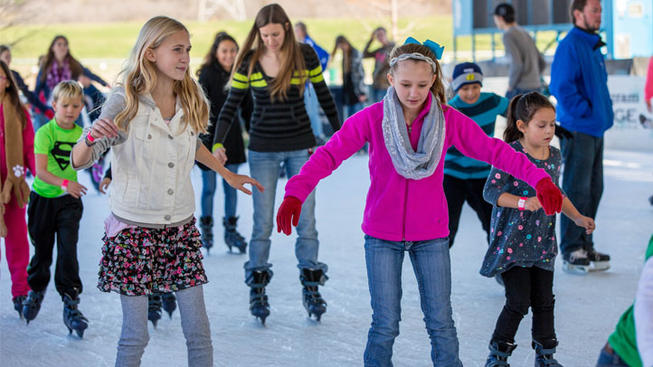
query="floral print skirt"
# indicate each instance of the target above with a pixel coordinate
(139, 261)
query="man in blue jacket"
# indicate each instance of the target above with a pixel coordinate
(579, 83)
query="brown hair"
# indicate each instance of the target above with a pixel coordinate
(437, 88)
(210, 56)
(576, 5)
(75, 67)
(523, 107)
(12, 93)
(292, 59)
(346, 56)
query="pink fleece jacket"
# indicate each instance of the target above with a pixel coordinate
(398, 208)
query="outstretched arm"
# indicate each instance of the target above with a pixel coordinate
(236, 181)
(572, 213)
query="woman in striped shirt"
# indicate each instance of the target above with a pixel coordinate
(274, 67)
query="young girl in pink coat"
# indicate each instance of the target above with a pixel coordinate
(409, 133)
(16, 154)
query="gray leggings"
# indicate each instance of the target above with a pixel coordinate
(194, 323)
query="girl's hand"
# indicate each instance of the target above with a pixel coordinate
(362, 98)
(104, 128)
(75, 189)
(532, 204)
(585, 222)
(221, 155)
(104, 185)
(237, 181)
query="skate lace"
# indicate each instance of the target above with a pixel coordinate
(578, 254)
(314, 295)
(73, 312)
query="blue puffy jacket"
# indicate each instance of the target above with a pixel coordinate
(579, 82)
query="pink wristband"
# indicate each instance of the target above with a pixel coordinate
(521, 203)
(90, 137)
(64, 184)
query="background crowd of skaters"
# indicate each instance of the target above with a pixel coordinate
(246, 89)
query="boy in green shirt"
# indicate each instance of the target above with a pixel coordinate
(55, 209)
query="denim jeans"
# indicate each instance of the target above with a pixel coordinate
(352, 109)
(38, 120)
(265, 168)
(432, 268)
(209, 178)
(377, 94)
(582, 181)
(610, 359)
(313, 110)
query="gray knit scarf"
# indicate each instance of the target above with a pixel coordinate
(412, 164)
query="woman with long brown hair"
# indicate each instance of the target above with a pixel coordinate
(354, 92)
(274, 67)
(58, 65)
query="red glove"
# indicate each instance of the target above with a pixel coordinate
(49, 114)
(289, 210)
(549, 196)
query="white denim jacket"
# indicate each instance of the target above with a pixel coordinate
(150, 163)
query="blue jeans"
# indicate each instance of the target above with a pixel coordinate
(610, 359)
(432, 268)
(352, 109)
(265, 168)
(208, 191)
(38, 120)
(313, 110)
(582, 181)
(377, 94)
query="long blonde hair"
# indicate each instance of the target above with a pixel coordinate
(292, 59)
(139, 76)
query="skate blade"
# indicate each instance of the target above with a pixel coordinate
(262, 319)
(599, 266)
(575, 269)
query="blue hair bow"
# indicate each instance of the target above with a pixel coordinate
(433, 46)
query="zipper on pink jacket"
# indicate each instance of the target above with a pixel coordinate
(403, 227)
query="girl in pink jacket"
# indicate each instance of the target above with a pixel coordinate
(16, 155)
(409, 133)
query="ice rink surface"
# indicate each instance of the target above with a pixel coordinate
(587, 307)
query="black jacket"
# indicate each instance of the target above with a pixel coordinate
(213, 79)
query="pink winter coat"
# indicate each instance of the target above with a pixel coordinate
(398, 208)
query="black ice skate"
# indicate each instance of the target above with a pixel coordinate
(312, 299)
(169, 302)
(258, 300)
(231, 236)
(544, 357)
(73, 317)
(206, 228)
(18, 304)
(576, 262)
(499, 353)
(32, 305)
(598, 261)
(154, 308)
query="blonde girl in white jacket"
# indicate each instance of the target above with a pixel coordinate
(151, 121)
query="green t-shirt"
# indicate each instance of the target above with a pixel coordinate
(624, 339)
(56, 143)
